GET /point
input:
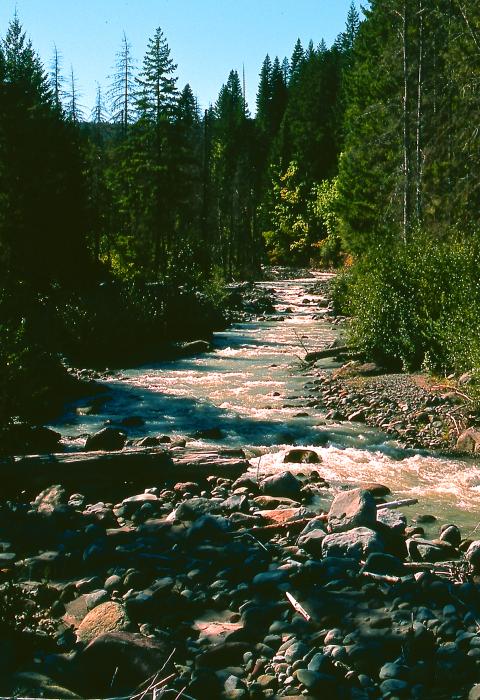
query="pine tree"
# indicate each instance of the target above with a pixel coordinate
(157, 92)
(23, 67)
(296, 61)
(264, 95)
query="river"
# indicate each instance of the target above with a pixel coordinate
(254, 390)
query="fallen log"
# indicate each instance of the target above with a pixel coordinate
(401, 503)
(328, 352)
(140, 465)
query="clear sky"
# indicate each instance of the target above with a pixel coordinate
(207, 38)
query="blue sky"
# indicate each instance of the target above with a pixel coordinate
(207, 37)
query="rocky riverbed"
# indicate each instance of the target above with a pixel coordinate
(215, 580)
(184, 586)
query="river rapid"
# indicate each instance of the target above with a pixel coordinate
(254, 389)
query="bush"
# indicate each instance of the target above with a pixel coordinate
(417, 304)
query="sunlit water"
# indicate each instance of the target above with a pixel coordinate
(253, 388)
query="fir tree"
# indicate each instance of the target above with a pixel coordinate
(122, 88)
(157, 92)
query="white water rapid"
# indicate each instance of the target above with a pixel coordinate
(253, 389)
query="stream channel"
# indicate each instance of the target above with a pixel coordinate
(253, 388)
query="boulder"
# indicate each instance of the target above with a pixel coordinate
(50, 498)
(107, 617)
(24, 439)
(352, 509)
(37, 685)
(302, 456)
(284, 484)
(312, 542)
(127, 658)
(472, 554)
(469, 441)
(392, 519)
(195, 347)
(106, 439)
(357, 543)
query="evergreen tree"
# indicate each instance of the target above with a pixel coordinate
(23, 67)
(157, 94)
(296, 61)
(264, 96)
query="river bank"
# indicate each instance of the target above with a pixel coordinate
(175, 564)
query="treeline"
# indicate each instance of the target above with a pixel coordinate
(117, 229)
(408, 184)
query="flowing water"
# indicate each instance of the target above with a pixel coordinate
(254, 390)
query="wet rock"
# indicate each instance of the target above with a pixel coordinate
(376, 490)
(132, 422)
(429, 551)
(195, 347)
(352, 509)
(148, 441)
(106, 439)
(284, 484)
(357, 543)
(107, 617)
(214, 433)
(302, 456)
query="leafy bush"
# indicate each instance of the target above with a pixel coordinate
(417, 304)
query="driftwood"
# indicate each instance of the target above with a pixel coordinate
(150, 465)
(277, 528)
(401, 503)
(328, 352)
(296, 606)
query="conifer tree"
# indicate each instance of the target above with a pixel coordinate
(157, 92)
(57, 80)
(296, 61)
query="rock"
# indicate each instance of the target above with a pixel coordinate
(376, 490)
(473, 555)
(49, 499)
(451, 534)
(392, 519)
(357, 543)
(474, 693)
(321, 684)
(106, 617)
(194, 508)
(132, 422)
(209, 527)
(352, 509)
(106, 439)
(469, 441)
(302, 456)
(430, 551)
(214, 433)
(37, 685)
(195, 347)
(24, 439)
(126, 657)
(222, 655)
(270, 579)
(312, 541)
(357, 417)
(284, 484)
(378, 563)
(296, 651)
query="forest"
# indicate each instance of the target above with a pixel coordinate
(120, 228)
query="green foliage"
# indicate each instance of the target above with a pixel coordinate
(418, 304)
